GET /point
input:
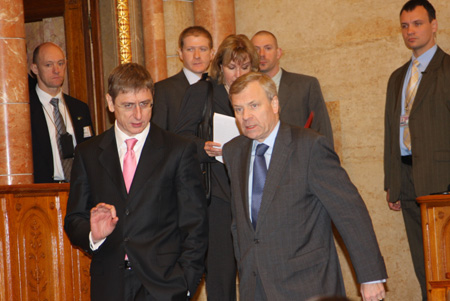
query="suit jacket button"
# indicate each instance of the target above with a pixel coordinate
(254, 273)
(127, 212)
(256, 241)
(126, 239)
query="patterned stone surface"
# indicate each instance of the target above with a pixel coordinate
(352, 47)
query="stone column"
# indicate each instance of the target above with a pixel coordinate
(154, 38)
(217, 16)
(16, 160)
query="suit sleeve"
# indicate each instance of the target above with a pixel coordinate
(331, 184)
(387, 137)
(159, 114)
(77, 220)
(191, 115)
(227, 158)
(321, 121)
(192, 218)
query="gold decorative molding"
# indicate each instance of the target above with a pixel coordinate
(123, 26)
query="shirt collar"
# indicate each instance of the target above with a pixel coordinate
(277, 78)
(45, 98)
(121, 136)
(191, 76)
(269, 141)
(425, 58)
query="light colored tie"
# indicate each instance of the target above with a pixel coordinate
(409, 100)
(259, 179)
(61, 130)
(129, 163)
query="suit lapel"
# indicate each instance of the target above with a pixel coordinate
(243, 161)
(399, 89)
(283, 89)
(109, 160)
(277, 168)
(428, 80)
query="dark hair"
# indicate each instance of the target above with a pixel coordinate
(412, 4)
(195, 31)
(234, 48)
(265, 32)
(129, 77)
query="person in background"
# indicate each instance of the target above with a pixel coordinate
(136, 201)
(300, 95)
(196, 52)
(235, 56)
(58, 121)
(417, 126)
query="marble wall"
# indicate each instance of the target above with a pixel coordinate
(352, 47)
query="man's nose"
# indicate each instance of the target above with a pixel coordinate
(261, 52)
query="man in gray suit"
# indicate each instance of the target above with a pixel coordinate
(417, 126)
(196, 52)
(300, 95)
(282, 221)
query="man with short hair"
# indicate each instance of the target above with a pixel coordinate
(287, 188)
(417, 126)
(196, 52)
(300, 95)
(136, 201)
(58, 122)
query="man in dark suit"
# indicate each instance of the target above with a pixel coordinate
(417, 126)
(49, 65)
(196, 52)
(147, 233)
(282, 220)
(299, 94)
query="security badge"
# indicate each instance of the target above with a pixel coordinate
(404, 119)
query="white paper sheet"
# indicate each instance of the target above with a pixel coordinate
(224, 129)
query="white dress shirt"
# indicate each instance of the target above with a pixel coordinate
(58, 172)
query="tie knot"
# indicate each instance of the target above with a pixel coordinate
(416, 63)
(261, 149)
(54, 102)
(131, 143)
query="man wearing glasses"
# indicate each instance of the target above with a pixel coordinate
(136, 201)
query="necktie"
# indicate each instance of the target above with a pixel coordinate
(259, 178)
(409, 100)
(61, 130)
(129, 163)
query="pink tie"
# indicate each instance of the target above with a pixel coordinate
(129, 163)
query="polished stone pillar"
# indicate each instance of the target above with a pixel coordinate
(16, 161)
(154, 38)
(217, 16)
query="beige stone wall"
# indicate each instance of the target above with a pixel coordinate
(352, 47)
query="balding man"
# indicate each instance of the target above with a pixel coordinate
(58, 122)
(299, 94)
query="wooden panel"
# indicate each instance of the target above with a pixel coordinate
(37, 259)
(36, 10)
(435, 211)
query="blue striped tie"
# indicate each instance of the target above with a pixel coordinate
(259, 178)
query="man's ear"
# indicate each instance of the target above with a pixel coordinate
(180, 54)
(275, 104)
(34, 69)
(110, 103)
(434, 25)
(279, 53)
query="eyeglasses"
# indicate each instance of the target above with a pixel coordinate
(130, 106)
